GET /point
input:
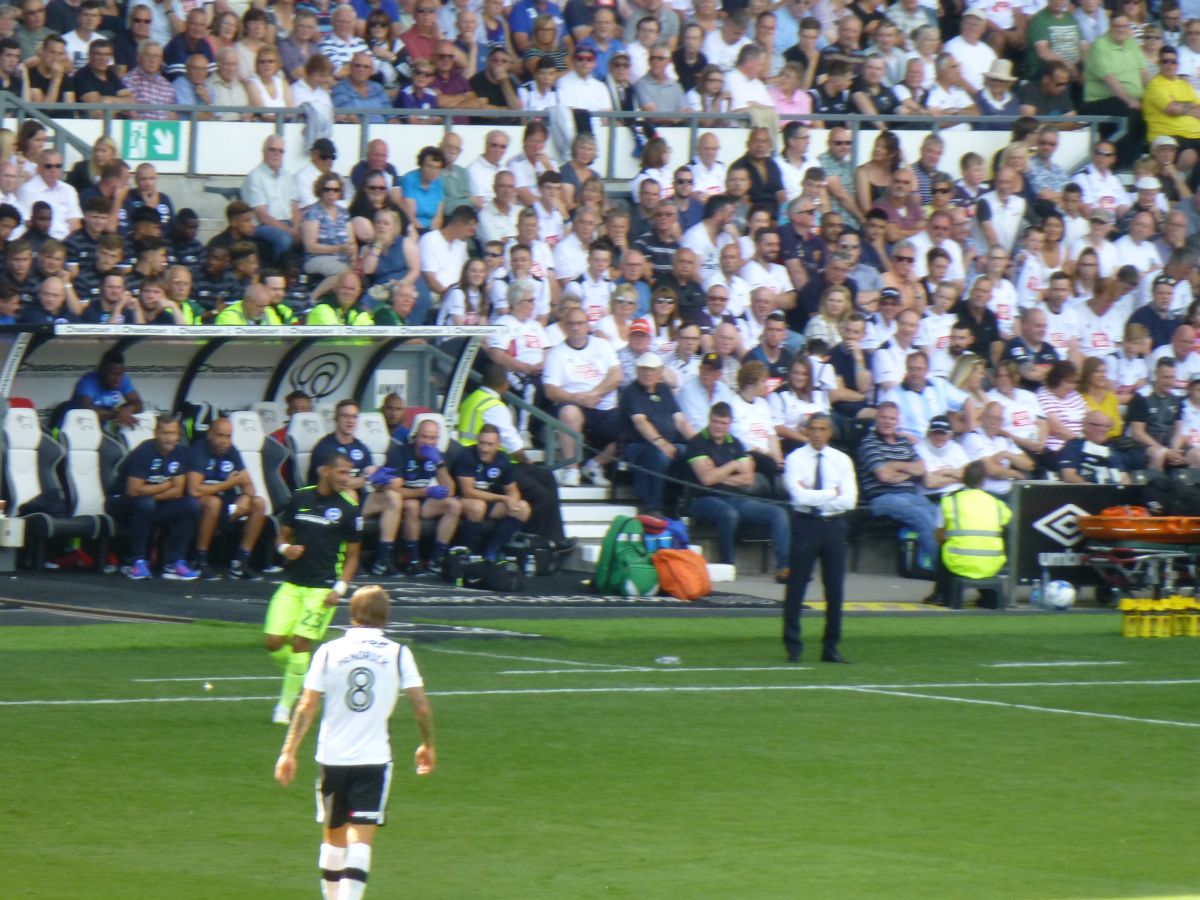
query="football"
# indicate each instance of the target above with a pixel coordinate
(1057, 595)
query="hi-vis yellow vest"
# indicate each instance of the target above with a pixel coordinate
(470, 414)
(974, 532)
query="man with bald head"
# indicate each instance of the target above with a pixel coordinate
(376, 160)
(1090, 459)
(1182, 351)
(271, 193)
(226, 88)
(341, 43)
(1002, 459)
(253, 309)
(219, 481)
(51, 307)
(684, 280)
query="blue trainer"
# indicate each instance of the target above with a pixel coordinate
(180, 571)
(139, 570)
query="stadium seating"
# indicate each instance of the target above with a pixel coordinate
(304, 430)
(373, 431)
(272, 413)
(34, 492)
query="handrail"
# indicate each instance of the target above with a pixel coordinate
(689, 119)
(26, 110)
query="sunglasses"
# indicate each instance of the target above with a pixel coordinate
(326, 156)
(943, 190)
(842, 143)
(376, 187)
(331, 189)
(904, 259)
(493, 255)
(51, 165)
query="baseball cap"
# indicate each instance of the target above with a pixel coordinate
(325, 147)
(1148, 183)
(939, 423)
(711, 359)
(1163, 140)
(1195, 379)
(649, 361)
(889, 294)
(640, 326)
(1165, 279)
(977, 13)
(1102, 215)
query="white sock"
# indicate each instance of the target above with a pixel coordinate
(331, 861)
(354, 877)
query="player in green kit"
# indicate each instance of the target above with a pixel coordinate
(320, 537)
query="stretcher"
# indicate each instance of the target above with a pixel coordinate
(1136, 552)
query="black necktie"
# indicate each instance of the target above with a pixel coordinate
(818, 482)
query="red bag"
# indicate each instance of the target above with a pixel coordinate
(682, 574)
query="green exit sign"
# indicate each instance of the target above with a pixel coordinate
(154, 141)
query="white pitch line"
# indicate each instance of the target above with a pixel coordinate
(1048, 665)
(683, 689)
(211, 678)
(667, 669)
(564, 662)
(123, 700)
(1026, 706)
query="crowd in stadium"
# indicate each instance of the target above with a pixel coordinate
(695, 317)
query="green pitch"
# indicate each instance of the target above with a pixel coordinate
(576, 766)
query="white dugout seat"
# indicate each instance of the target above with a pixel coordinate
(304, 430)
(248, 440)
(272, 413)
(142, 430)
(31, 458)
(373, 431)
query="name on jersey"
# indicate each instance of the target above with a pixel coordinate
(368, 655)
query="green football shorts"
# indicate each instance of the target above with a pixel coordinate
(299, 612)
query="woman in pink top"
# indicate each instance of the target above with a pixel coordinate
(788, 94)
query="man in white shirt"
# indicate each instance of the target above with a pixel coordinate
(593, 288)
(47, 185)
(722, 45)
(271, 193)
(571, 253)
(708, 171)
(498, 218)
(1137, 247)
(944, 459)
(763, 269)
(444, 250)
(1062, 322)
(744, 82)
(1101, 223)
(1003, 460)
(1101, 324)
(822, 487)
(483, 171)
(729, 262)
(578, 89)
(975, 56)
(359, 676)
(1101, 187)
(321, 157)
(937, 234)
(950, 94)
(711, 233)
(1000, 213)
(581, 377)
(889, 361)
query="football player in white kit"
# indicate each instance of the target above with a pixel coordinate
(360, 676)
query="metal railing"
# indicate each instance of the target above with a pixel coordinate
(695, 122)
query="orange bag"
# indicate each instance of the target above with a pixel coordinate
(682, 574)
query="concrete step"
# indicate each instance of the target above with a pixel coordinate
(583, 494)
(586, 531)
(595, 512)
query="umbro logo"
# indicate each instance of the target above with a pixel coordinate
(1060, 525)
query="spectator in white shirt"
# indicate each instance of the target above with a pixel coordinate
(1000, 213)
(722, 45)
(1002, 459)
(444, 250)
(744, 82)
(321, 158)
(578, 88)
(944, 459)
(950, 95)
(47, 185)
(975, 56)
(498, 218)
(708, 171)
(483, 171)
(1102, 189)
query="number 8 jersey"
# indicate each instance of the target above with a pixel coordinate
(361, 675)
